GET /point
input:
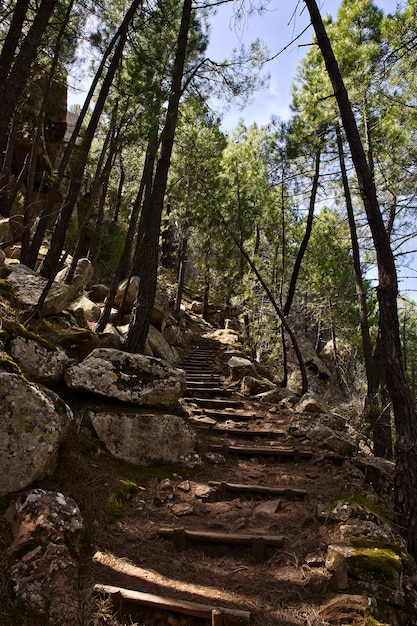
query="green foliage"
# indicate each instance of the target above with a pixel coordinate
(408, 335)
(111, 245)
(327, 275)
(117, 501)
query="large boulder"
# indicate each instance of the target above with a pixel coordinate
(85, 311)
(312, 360)
(11, 229)
(309, 403)
(174, 336)
(46, 528)
(302, 424)
(133, 378)
(83, 275)
(252, 386)
(328, 439)
(27, 287)
(127, 293)
(144, 439)
(41, 364)
(160, 346)
(240, 367)
(33, 422)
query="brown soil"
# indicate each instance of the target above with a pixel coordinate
(125, 506)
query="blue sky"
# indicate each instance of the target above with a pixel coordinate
(278, 26)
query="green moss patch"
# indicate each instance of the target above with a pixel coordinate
(376, 564)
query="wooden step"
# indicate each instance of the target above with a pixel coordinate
(223, 415)
(210, 403)
(224, 488)
(205, 392)
(203, 384)
(258, 543)
(289, 453)
(245, 432)
(218, 616)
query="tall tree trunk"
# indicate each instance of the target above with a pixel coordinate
(149, 251)
(181, 272)
(306, 238)
(402, 401)
(62, 222)
(124, 265)
(11, 89)
(372, 411)
(50, 207)
(12, 39)
(29, 211)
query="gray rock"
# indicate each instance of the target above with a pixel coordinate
(40, 364)
(328, 439)
(98, 293)
(33, 423)
(252, 386)
(128, 292)
(133, 378)
(174, 336)
(47, 527)
(240, 367)
(83, 274)
(144, 439)
(302, 424)
(27, 287)
(160, 346)
(312, 360)
(85, 311)
(11, 229)
(309, 403)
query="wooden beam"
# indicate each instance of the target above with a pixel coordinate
(230, 617)
(261, 489)
(218, 537)
(265, 451)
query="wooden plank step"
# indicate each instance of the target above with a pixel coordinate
(198, 376)
(223, 415)
(245, 432)
(202, 392)
(292, 452)
(218, 616)
(203, 384)
(258, 543)
(286, 492)
(213, 404)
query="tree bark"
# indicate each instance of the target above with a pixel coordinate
(45, 217)
(64, 217)
(12, 39)
(149, 250)
(306, 238)
(372, 411)
(402, 401)
(19, 72)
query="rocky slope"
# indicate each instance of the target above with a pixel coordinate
(231, 494)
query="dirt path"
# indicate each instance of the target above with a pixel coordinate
(258, 484)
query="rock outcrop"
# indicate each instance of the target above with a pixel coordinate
(144, 438)
(41, 364)
(33, 422)
(132, 378)
(47, 529)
